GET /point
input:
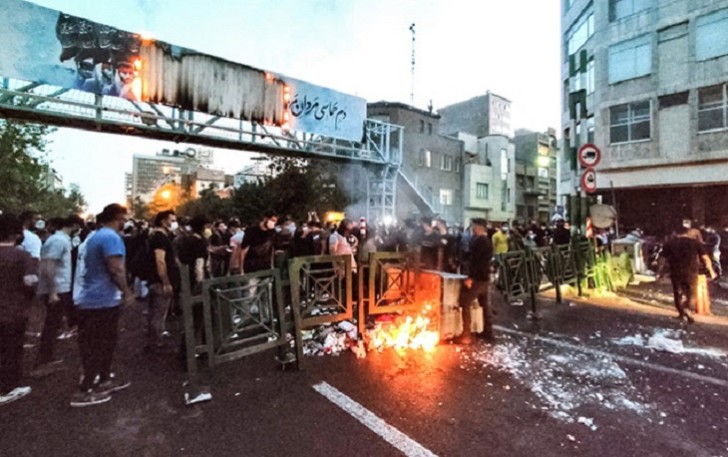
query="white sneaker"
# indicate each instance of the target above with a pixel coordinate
(15, 394)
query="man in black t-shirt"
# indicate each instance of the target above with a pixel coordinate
(165, 280)
(478, 283)
(193, 253)
(219, 250)
(258, 245)
(429, 245)
(684, 255)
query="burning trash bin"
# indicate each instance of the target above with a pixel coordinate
(451, 319)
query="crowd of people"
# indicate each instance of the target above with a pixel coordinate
(83, 272)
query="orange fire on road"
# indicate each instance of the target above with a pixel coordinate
(404, 332)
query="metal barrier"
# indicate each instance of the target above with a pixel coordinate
(513, 275)
(586, 261)
(393, 279)
(566, 270)
(544, 272)
(526, 273)
(321, 288)
(235, 316)
(320, 291)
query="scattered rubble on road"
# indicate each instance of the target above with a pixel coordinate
(667, 340)
(564, 382)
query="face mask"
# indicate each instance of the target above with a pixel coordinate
(40, 225)
(173, 226)
(270, 225)
(188, 228)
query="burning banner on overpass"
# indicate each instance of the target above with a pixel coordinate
(49, 47)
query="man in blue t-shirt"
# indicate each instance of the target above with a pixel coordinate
(98, 306)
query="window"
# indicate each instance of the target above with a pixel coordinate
(590, 78)
(422, 126)
(580, 33)
(630, 59)
(712, 108)
(590, 129)
(457, 164)
(530, 182)
(711, 35)
(629, 122)
(446, 162)
(429, 128)
(620, 9)
(543, 172)
(446, 197)
(504, 164)
(481, 191)
(425, 158)
(508, 195)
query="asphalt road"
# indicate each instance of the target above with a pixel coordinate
(561, 386)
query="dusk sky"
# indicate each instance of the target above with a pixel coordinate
(360, 47)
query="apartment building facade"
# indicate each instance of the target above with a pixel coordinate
(647, 82)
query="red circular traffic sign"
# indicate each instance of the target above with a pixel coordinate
(589, 155)
(589, 180)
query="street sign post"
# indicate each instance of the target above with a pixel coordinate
(589, 155)
(589, 181)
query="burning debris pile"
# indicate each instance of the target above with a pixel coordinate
(402, 332)
(564, 382)
(395, 331)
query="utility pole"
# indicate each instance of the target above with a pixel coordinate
(412, 89)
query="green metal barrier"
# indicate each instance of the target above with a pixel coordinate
(566, 269)
(544, 271)
(393, 279)
(514, 277)
(321, 288)
(235, 316)
(586, 262)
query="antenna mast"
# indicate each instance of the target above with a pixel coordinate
(412, 89)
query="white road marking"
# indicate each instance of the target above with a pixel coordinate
(399, 440)
(619, 358)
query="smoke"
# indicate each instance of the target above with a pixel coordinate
(149, 10)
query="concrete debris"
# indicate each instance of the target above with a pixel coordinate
(564, 382)
(588, 421)
(666, 340)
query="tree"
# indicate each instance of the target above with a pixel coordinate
(24, 169)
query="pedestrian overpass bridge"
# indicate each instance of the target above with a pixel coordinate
(111, 81)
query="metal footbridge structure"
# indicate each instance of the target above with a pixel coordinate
(184, 96)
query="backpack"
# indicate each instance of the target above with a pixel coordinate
(142, 263)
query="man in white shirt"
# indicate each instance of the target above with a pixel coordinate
(31, 242)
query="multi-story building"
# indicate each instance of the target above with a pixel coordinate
(51, 179)
(488, 178)
(259, 170)
(430, 179)
(485, 115)
(646, 81)
(150, 172)
(483, 123)
(128, 189)
(536, 174)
